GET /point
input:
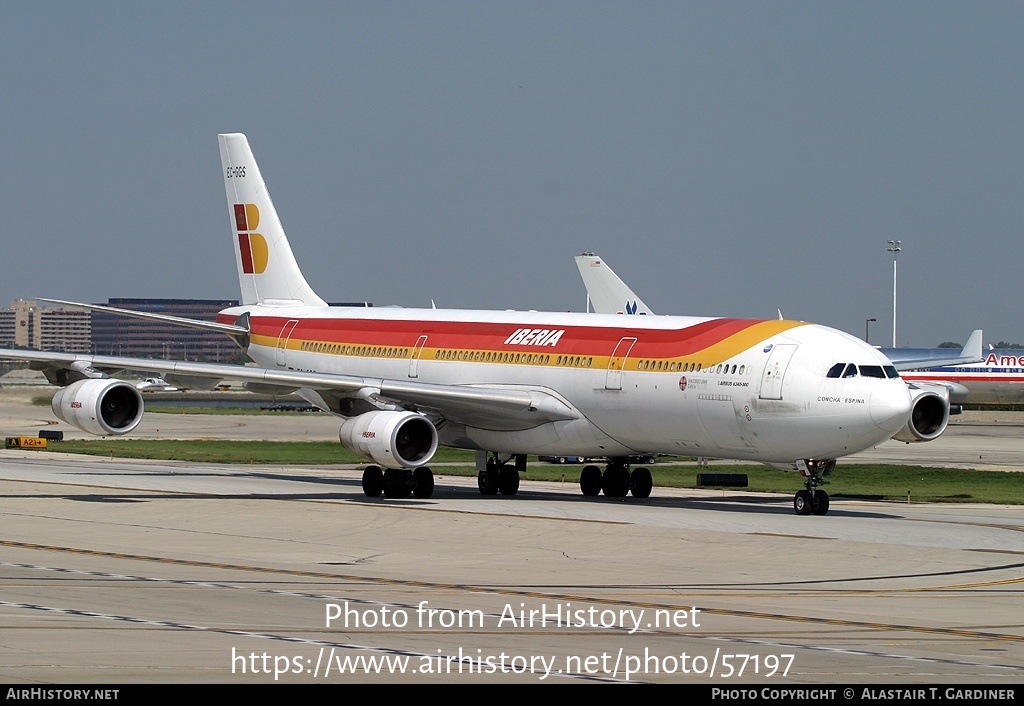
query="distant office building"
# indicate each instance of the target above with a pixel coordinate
(24, 311)
(64, 329)
(124, 336)
(7, 328)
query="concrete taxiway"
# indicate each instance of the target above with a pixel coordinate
(117, 572)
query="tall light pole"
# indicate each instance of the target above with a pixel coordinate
(867, 338)
(894, 248)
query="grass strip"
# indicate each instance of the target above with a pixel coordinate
(866, 481)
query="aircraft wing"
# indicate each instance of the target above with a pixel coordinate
(495, 407)
(921, 358)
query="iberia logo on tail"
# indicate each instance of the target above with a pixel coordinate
(251, 245)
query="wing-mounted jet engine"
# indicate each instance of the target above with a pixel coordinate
(402, 443)
(929, 413)
(101, 406)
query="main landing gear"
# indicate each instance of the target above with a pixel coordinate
(813, 500)
(398, 482)
(500, 476)
(617, 480)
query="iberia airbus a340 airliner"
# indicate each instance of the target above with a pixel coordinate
(509, 384)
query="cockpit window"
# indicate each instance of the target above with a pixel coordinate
(849, 370)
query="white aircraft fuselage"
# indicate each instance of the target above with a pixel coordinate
(714, 387)
(997, 379)
(510, 384)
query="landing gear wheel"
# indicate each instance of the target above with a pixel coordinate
(397, 483)
(590, 481)
(802, 502)
(615, 482)
(487, 481)
(641, 483)
(508, 480)
(373, 481)
(819, 502)
(813, 500)
(423, 482)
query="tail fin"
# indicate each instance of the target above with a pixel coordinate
(267, 271)
(607, 292)
(972, 349)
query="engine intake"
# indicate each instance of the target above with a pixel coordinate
(99, 406)
(929, 414)
(392, 439)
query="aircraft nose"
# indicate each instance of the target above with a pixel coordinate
(890, 406)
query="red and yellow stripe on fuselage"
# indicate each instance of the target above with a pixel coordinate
(547, 341)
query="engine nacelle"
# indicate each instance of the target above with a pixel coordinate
(99, 406)
(929, 414)
(392, 439)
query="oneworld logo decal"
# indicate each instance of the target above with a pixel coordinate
(251, 245)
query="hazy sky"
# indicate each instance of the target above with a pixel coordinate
(725, 158)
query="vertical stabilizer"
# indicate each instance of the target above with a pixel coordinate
(972, 349)
(608, 293)
(267, 271)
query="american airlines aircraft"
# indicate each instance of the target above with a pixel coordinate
(509, 384)
(997, 379)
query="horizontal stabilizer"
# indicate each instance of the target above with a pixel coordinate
(923, 358)
(228, 329)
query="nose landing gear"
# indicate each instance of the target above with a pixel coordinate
(813, 500)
